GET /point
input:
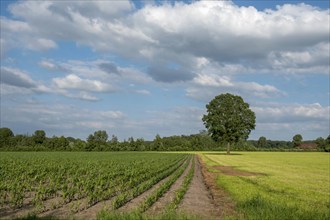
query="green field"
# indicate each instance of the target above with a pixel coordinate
(289, 185)
(279, 185)
(35, 178)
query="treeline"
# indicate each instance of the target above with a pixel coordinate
(100, 141)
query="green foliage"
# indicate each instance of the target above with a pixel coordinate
(98, 141)
(262, 142)
(138, 189)
(296, 140)
(106, 215)
(229, 119)
(179, 194)
(70, 176)
(5, 136)
(39, 136)
(323, 144)
(151, 199)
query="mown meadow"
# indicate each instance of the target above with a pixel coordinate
(285, 185)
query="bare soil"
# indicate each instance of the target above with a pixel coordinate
(28, 208)
(159, 206)
(220, 197)
(198, 199)
(134, 203)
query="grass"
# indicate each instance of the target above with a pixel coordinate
(294, 185)
(172, 215)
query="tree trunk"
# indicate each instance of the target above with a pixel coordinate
(228, 148)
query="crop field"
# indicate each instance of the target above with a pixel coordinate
(146, 185)
(275, 185)
(83, 184)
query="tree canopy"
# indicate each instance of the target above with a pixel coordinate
(296, 140)
(229, 119)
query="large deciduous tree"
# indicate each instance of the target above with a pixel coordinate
(229, 119)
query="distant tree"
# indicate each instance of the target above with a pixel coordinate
(114, 139)
(39, 136)
(97, 141)
(114, 143)
(320, 142)
(140, 144)
(101, 136)
(262, 142)
(296, 140)
(327, 145)
(157, 143)
(131, 144)
(323, 144)
(79, 145)
(5, 136)
(229, 119)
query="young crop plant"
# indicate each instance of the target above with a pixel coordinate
(179, 194)
(139, 189)
(40, 178)
(150, 200)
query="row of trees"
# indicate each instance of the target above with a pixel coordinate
(100, 141)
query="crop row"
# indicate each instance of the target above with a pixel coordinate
(151, 199)
(95, 177)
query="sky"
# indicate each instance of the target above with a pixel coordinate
(141, 68)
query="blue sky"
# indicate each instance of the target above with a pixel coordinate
(145, 68)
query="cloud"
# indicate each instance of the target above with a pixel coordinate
(72, 81)
(142, 91)
(219, 30)
(206, 87)
(166, 74)
(50, 65)
(291, 113)
(16, 78)
(286, 38)
(282, 121)
(313, 60)
(81, 80)
(22, 35)
(59, 119)
(15, 81)
(109, 68)
(82, 95)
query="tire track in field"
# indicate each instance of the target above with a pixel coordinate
(168, 197)
(198, 199)
(225, 206)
